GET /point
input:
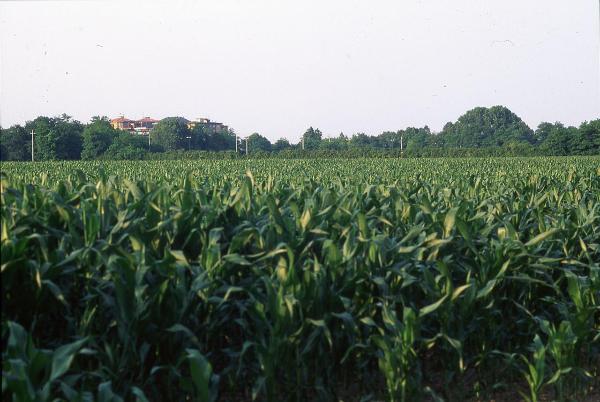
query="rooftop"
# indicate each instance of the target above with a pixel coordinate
(120, 119)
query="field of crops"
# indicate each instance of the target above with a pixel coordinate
(372, 279)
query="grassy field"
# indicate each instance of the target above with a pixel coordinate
(372, 279)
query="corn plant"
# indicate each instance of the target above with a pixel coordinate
(320, 279)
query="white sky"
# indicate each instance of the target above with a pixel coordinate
(277, 67)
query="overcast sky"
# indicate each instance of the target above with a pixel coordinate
(277, 67)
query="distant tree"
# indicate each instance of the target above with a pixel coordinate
(417, 138)
(542, 132)
(223, 140)
(69, 141)
(338, 143)
(312, 138)
(57, 138)
(44, 138)
(360, 140)
(555, 139)
(281, 144)
(257, 142)
(587, 139)
(15, 144)
(97, 137)
(126, 146)
(200, 139)
(389, 139)
(486, 127)
(482, 131)
(170, 134)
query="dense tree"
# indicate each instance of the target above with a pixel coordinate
(222, 141)
(126, 146)
(587, 138)
(555, 139)
(199, 138)
(494, 131)
(44, 139)
(417, 138)
(56, 138)
(171, 133)
(69, 140)
(281, 144)
(542, 132)
(257, 142)
(338, 143)
(359, 140)
(15, 144)
(389, 139)
(486, 127)
(97, 137)
(312, 138)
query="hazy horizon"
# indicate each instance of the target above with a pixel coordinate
(278, 67)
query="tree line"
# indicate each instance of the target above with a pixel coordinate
(494, 131)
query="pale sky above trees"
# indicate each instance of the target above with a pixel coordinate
(277, 67)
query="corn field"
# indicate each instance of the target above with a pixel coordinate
(325, 279)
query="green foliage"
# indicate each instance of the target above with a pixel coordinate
(486, 127)
(281, 145)
(257, 142)
(221, 141)
(360, 140)
(170, 133)
(480, 132)
(398, 360)
(15, 144)
(313, 279)
(536, 370)
(97, 138)
(56, 138)
(587, 140)
(200, 139)
(32, 374)
(126, 146)
(312, 138)
(417, 139)
(556, 139)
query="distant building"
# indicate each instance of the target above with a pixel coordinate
(145, 124)
(123, 123)
(207, 125)
(141, 126)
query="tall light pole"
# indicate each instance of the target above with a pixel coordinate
(246, 146)
(32, 158)
(189, 138)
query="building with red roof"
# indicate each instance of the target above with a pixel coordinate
(145, 124)
(141, 126)
(122, 123)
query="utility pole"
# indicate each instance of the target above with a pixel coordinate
(148, 141)
(401, 144)
(246, 146)
(303, 143)
(32, 158)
